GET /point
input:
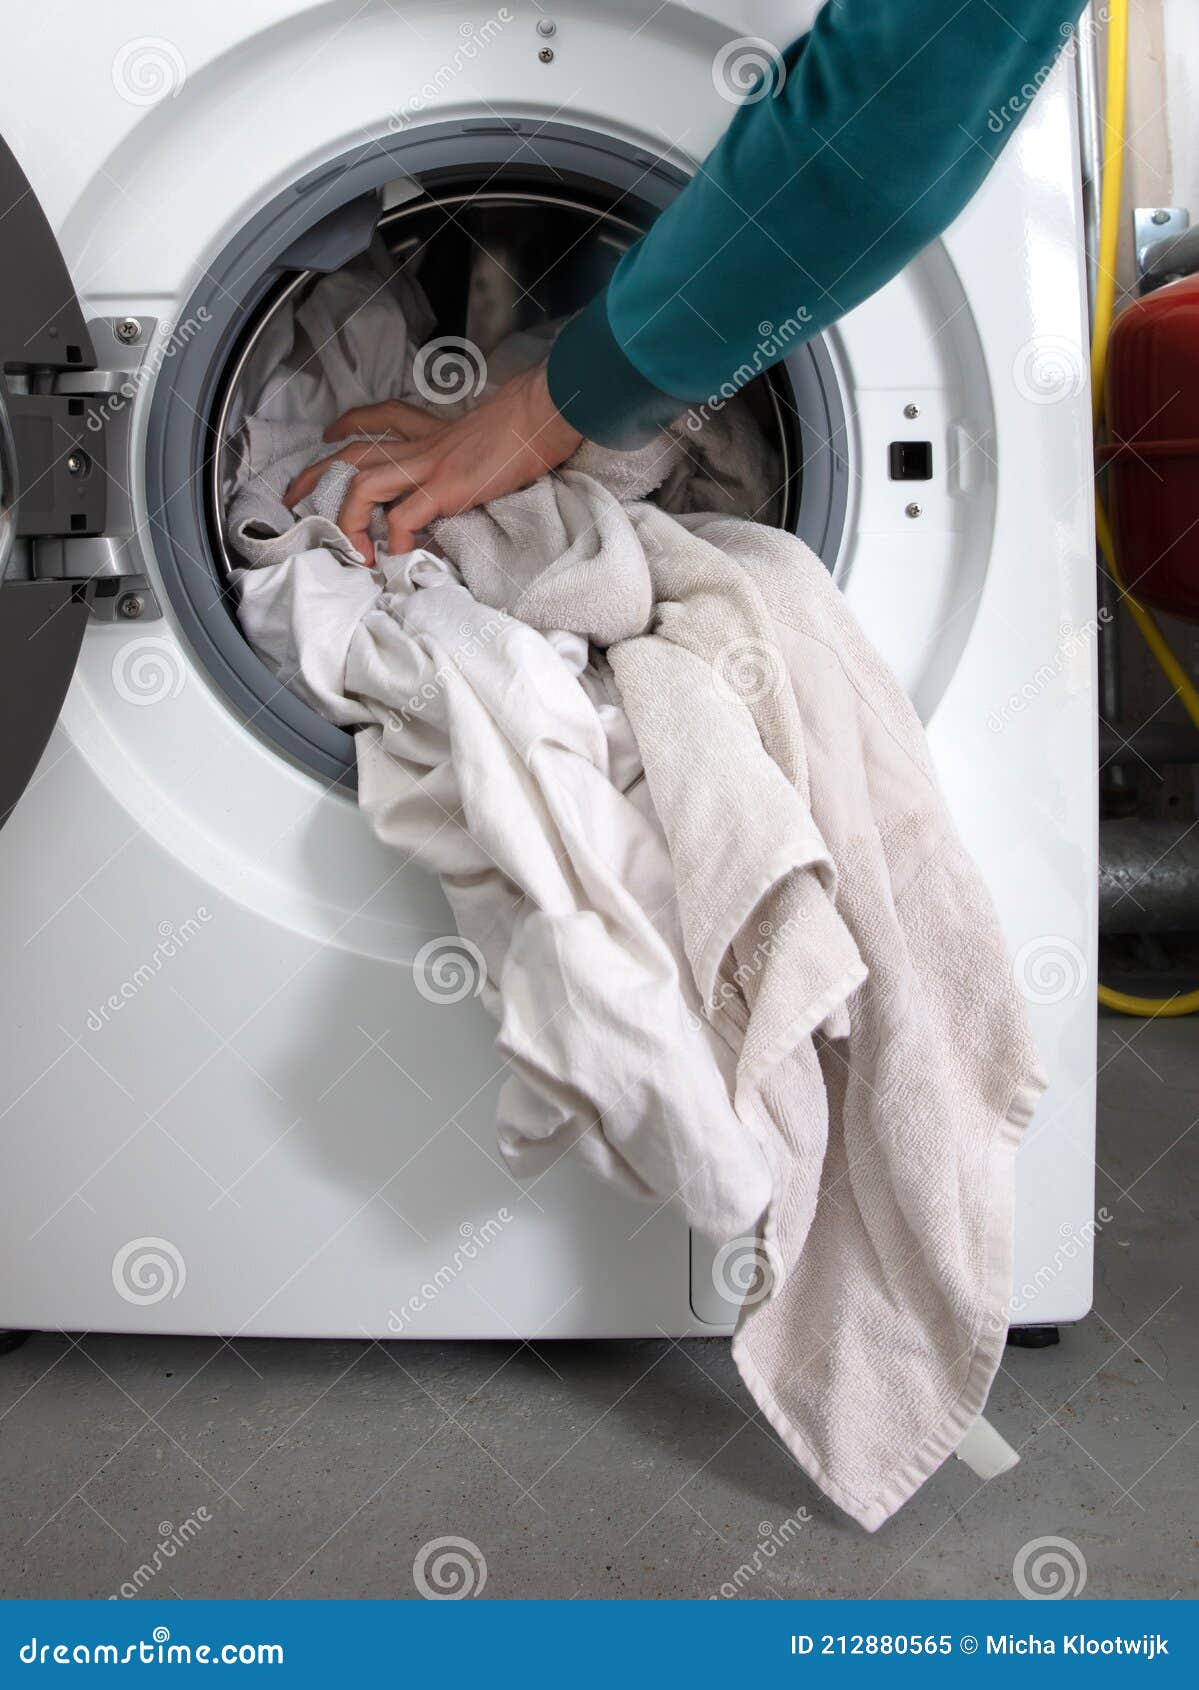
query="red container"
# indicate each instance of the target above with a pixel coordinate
(1152, 402)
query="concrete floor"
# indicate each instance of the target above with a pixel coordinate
(610, 1470)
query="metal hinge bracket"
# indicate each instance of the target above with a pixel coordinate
(72, 454)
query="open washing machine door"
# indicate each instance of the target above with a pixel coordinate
(51, 478)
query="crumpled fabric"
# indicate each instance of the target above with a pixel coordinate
(352, 340)
(764, 982)
(493, 753)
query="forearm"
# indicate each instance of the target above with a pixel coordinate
(890, 115)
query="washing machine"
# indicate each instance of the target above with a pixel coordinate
(237, 1097)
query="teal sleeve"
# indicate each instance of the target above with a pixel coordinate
(862, 143)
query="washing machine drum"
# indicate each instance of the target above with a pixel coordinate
(507, 226)
(494, 263)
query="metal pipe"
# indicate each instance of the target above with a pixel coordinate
(1090, 140)
(1148, 877)
(1090, 148)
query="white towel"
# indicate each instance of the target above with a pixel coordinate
(491, 753)
(777, 995)
(841, 940)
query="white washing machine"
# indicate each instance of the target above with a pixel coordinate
(231, 1101)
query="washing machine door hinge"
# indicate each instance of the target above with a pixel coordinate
(73, 449)
(76, 529)
(67, 550)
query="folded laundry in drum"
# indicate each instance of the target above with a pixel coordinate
(802, 1031)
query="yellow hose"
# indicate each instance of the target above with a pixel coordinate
(1114, 109)
(1185, 1003)
(1145, 620)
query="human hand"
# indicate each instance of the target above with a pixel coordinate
(433, 468)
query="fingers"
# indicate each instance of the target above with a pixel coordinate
(305, 482)
(367, 454)
(392, 416)
(406, 519)
(377, 486)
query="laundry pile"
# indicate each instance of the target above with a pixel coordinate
(739, 959)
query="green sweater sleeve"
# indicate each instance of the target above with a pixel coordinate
(862, 144)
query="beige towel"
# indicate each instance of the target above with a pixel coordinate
(840, 938)
(861, 1018)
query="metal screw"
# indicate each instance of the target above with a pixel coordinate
(128, 330)
(1160, 217)
(911, 411)
(131, 606)
(77, 463)
(546, 55)
(546, 26)
(914, 509)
